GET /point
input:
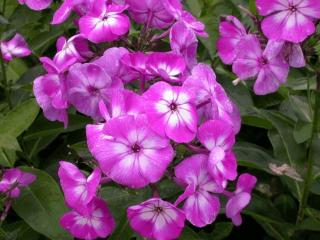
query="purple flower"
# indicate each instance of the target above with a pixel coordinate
(76, 47)
(116, 69)
(137, 62)
(16, 47)
(231, 32)
(50, 94)
(95, 221)
(218, 137)
(201, 207)
(13, 179)
(171, 112)
(175, 9)
(211, 99)
(168, 66)
(156, 219)
(128, 151)
(241, 198)
(290, 20)
(78, 190)
(87, 85)
(104, 23)
(269, 65)
(37, 5)
(150, 12)
(294, 55)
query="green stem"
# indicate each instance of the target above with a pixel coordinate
(3, 10)
(309, 174)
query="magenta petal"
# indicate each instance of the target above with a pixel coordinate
(235, 205)
(37, 5)
(246, 182)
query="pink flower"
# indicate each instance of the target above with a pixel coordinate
(150, 12)
(115, 68)
(294, 55)
(76, 47)
(231, 32)
(269, 65)
(13, 179)
(128, 151)
(37, 5)
(87, 84)
(211, 99)
(171, 112)
(95, 221)
(137, 62)
(290, 20)
(50, 94)
(78, 190)
(175, 9)
(201, 207)
(218, 137)
(184, 42)
(168, 66)
(16, 47)
(104, 23)
(241, 198)
(156, 219)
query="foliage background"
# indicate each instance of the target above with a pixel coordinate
(278, 128)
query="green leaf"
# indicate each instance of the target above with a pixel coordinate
(221, 230)
(301, 108)
(253, 7)
(20, 231)
(41, 205)
(310, 224)
(189, 234)
(82, 150)
(195, 7)
(7, 157)
(302, 131)
(15, 69)
(19, 119)
(9, 142)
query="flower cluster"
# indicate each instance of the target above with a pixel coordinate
(269, 55)
(144, 104)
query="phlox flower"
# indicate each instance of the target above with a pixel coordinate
(269, 66)
(184, 42)
(241, 198)
(94, 221)
(168, 66)
(15, 47)
(76, 47)
(78, 190)
(211, 99)
(137, 62)
(175, 9)
(218, 137)
(156, 219)
(104, 23)
(150, 12)
(37, 5)
(293, 54)
(13, 179)
(171, 112)
(201, 206)
(289, 20)
(231, 32)
(128, 151)
(88, 84)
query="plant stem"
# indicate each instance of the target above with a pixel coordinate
(3, 10)
(309, 174)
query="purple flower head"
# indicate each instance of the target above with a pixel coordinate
(104, 23)
(78, 190)
(95, 221)
(231, 32)
(150, 12)
(218, 137)
(16, 47)
(201, 207)
(87, 84)
(114, 67)
(268, 66)
(50, 94)
(128, 151)
(175, 9)
(290, 20)
(168, 66)
(241, 198)
(171, 112)
(37, 5)
(184, 42)
(210, 97)
(76, 47)
(13, 179)
(156, 219)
